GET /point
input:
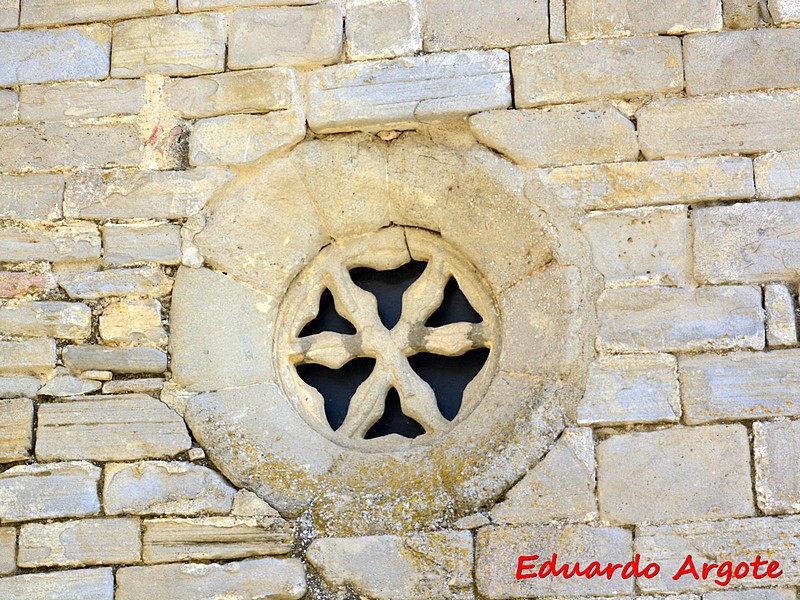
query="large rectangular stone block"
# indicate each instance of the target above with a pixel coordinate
(16, 430)
(383, 29)
(92, 285)
(9, 103)
(60, 12)
(35, 197)
(86, 584)
(19, 386)
(117, 360)
(81, 100)
(777, 456)
(398, 93)
(27, 357)
(777, 175)
(140, 243)
(67, 320)
(70, 242)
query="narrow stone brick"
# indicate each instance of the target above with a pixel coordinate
(143, 281)
(740, 14)
(60, 12)
(484, 24)
(631, 184)
(86, 584)
(8, 550)
(740, 385)
(9, 14)
(16, 431)
(285, 36)
(146, 385)
(781, 318)
(87, 542)
(559, 135)
(51, 491)
(596, 70)
(29, 357)
(382, 29)
(187, 6)
(784, 11)
(751, 123)
(681, 474)
(680, 320)
(116, 360)
(133, 323)
(141, 242)
(72, 242)
(778, 175)
(169, 45)
(370, 95)
(777, 456)
(9, 106)
(68, 320)
(19, 386)
(81, 100)
(558, 21)
(31, 197)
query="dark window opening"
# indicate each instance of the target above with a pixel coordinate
(455, 308)
(394, 420)
(327, 319)
(337, 386)
(388, 287)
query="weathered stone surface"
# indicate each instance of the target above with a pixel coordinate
(680, 320)
(382, 29)
(81, 100)
(169, 45)
(285, 36)
(9, 14)
(19, 386)
(16, 430)
(561, 486)
(55, 490)
(31, 197)
(9, 102)
(133, 323)
(261, 579)
(498, 549)
(110, 428)
(716, 541)
(41, 55)
(778, 175)
(141, 242)
(14, 284)
(86, 584)
(256, 91)
(70, 320)
(750, 123)
(66, 385)
(741, 14)
(624, 390)
(165, 488)
(612, 18)
(116, 360)
(27, 357)
(71, 242)
(244, 138)
(741, 385)
(630, 184)
(8, 550)
(87, 542)
(781, 317)
(481, 24)
(59, 12)
(594, 70)
(784, 11)
(247, 504)
(759, 594)
(777, 455)
(559, 135)
(680, 474)
(146, 385)
(648, 246)
(432, 565)
(144, 281)
(397, 94)
(214, 538)
(198, 5)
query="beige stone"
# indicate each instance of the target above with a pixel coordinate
(559, 135)
(62, 386)
(81, 100)
(71, 242)
(87, 542)
(781, 317)
(69, 320)
(147, 385)
(8, 550)
(201, 5)
(777, 455)
(133, 322)
(784, 11)
(169, 45)
(247, 504)
(30, 357)
(19, 386)
(118, 360)
(31, 197)
(759, 594)
(60, 12)
(16, 430)
(86, 584)
(92, 285)
(9, 14)
(741, 14)
(9, 106)
(596, 70)
(15, 284)
(382, 29)
(778, 175)
(140, 243)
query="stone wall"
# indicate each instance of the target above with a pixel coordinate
(625, 172)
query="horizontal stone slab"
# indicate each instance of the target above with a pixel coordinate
(116, 360)
(776, 447)
(68, 320)
(15, 284)
(70, 242)
(67, 385)
(133, 323)
(60, 12)
(142, 243)
(29, 357)
(35, 197)
(86, 584)
(19, 386)
(146, 385)
(777, 175)
(16, 429)
(81, 100)
(92, 285)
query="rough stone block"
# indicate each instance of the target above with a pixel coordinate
(751, 123)
(558, 135)
(92, 285)
(680, 320)
(201, 5)
(72, 242)
(778, 175)
(62, 386)
(382, 29)
(681, 474)
(784, 11)
(399, 93)
(60, 12)
(27, 357)
(285, 36)
(41, 55)
(86, 584)
(625, 390)
(87, 542)
(133, 323)
(69, 320)
(19, 386)
(81, 100)
(740, 14)
(51, 491)
(9, 105)
(31, 197)
(8, 550)
(117, 360)
(777, 456)
(16, 431)
(596, 70)
(9, 14)
(481, 24)
(169, 45)
(147, 385)
(141, 242)
(781, 317)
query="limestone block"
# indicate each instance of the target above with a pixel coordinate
(740, 14)
(625, 390)
(247, 504)
(784, 11)
(261, 579)
(680, 320)
(558, 135)
(382, 29)
(8, 550)
(141, 242)
(244, 138)
(682, 473)
(81, 100)
(648, 246)
(50, 491)
(612, 18)
(16, 430)
(110, 428)
(9, 106)
(165, 488)
(561, 486)
(86, 584)
(87, 542)
(41, 55)
(117, 360)
(257, 91)
(740, 385)
(70, 242)
(146, 385)
(595, 70)
(92, 285)
(777, 455)
(187, 6)
(133, 323)
(120, 194)
(66, 385)
(750, 123)
(498, 549)
(759, 594)
(778, 175)
(482, 24)
(399, 93)
(35, 197)
(716, 541)
(9, 14)
(285, 36)
(747, 242)
(432, 565)
(169, 45)
(27, 357)
(60, 12)
(214, 538)
(69, 320)
(19, 386)
(781, 318)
